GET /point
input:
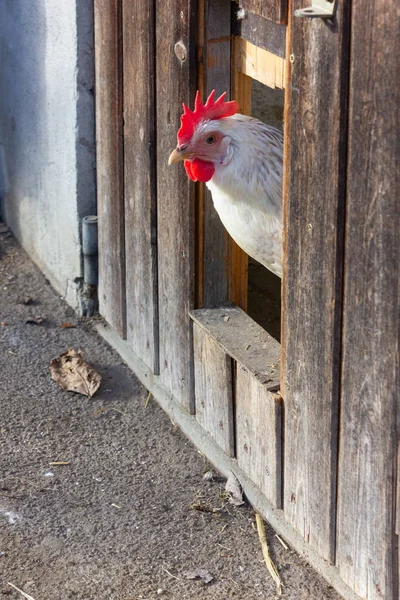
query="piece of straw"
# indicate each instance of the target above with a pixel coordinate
(267, 558)
(25, 595)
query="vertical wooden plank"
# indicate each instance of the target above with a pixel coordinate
(315, 154)
(140, 180)
(238, 259)
(275, 10)
(213, 387)
(109, 149)
(258, 418)
(214, 74)
(176, 78)
(370, 372)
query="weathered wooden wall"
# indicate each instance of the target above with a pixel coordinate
(368, 442)
(325, 449)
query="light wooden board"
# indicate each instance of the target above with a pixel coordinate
(238, 260)
(140, 180)
(258, 418)
(244, 340)
(314, 192)
(109, 151)
(213, 388)
(366, 549)
(258, 63)
(214, 74)
(175, 83)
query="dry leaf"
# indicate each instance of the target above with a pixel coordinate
(67, 326)
(202, 574)
(233, 487)
(71, 373)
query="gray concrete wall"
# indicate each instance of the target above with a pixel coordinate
(47, 135)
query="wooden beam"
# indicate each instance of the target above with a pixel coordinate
(140, 180)
(369, 430)
(258, 63)
(314, 195)
(110, 161)
(176, 80)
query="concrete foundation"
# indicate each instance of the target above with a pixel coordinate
(47, 132)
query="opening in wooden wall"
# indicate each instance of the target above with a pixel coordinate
(254, 77)
(257, 84)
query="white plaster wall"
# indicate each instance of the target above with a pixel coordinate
(47, 131)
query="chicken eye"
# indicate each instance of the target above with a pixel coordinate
(210, 139)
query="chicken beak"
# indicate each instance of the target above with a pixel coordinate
(177, 155)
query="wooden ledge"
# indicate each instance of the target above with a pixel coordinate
(244, 340)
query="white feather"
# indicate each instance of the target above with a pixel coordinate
(247, 187)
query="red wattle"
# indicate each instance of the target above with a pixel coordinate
(199, 170)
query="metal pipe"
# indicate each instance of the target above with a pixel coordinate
(90, 250)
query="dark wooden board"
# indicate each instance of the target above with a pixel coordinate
(314, 190)
(140, 180)
(175, 83)
(109, 150)
(370, 373)
(215, 74)
(213, 388)
(275, 10)
(244, 340)
(259, 31)
(258, 426)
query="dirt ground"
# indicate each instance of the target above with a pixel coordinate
(118, 521)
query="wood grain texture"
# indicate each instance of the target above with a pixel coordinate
(213, 389)
(109, 150)
(370, 372)
(258, 418)
(176, 79)
(140, 180)
(215, 75)
(258, 63)
(244, 340)
(315, 154)
(238, 260)
(259, 31)
(275, 10)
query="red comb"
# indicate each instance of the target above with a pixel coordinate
(204, 112)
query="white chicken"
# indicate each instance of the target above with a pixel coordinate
(241, 161)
